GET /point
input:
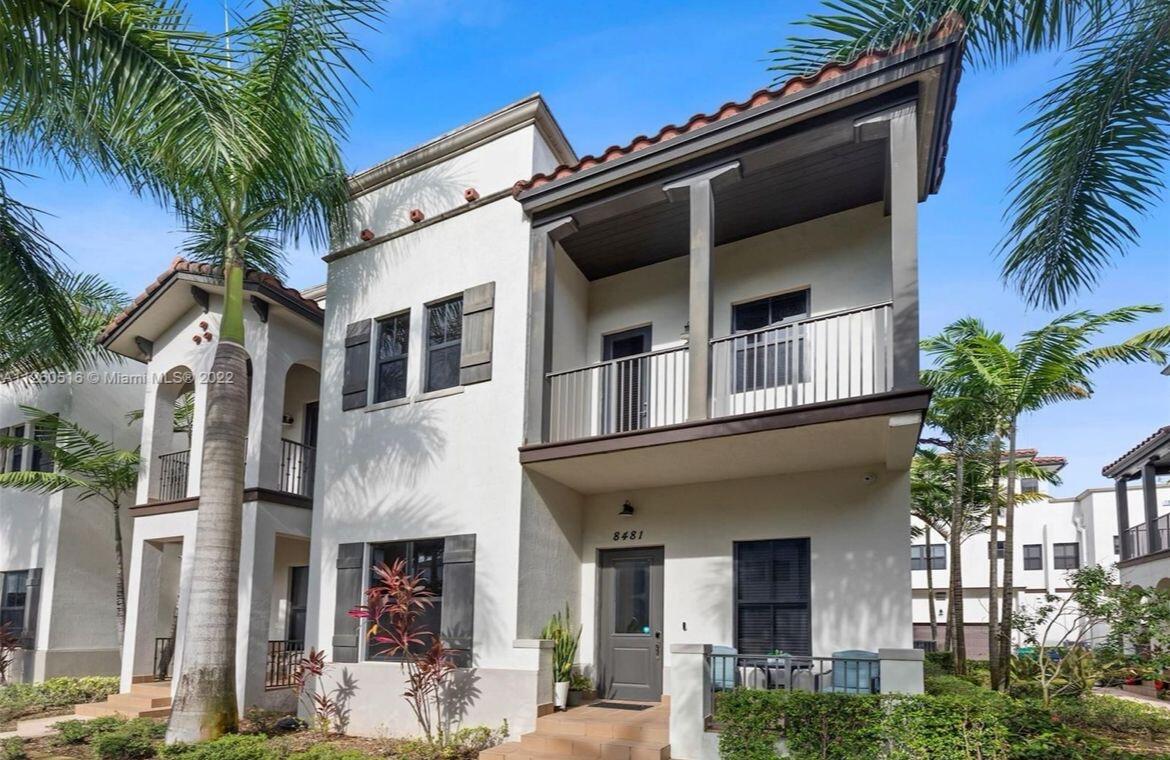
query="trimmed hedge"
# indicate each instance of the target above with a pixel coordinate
(759, 725)
(19, 699)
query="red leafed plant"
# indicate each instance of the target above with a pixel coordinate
(9, 643)
(394, 605)
(325, 709)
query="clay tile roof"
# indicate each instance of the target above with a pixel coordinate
(1049, 460)
(1025, 453)
(949, 24)
(1161, 433)
(271, 282)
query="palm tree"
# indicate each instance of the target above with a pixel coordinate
(122, 89)
(1051, 364)
(85, 463)
(288, 91)
(1098, 145)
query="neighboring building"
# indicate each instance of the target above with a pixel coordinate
(172, 328)
(1053, 536)
(57, 583)
(1143, 510)
(704, 345)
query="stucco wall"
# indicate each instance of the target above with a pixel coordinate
(860, 559)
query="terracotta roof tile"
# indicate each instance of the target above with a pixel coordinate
(1160, 432)
(1049, 460)
(182, 265)
(949, 24)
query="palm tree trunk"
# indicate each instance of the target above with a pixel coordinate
(1005, 635)
(930, 590)
(993, 569)
(958, 640)
(120, 576)
(205, 699)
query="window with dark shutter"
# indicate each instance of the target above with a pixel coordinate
(1066, 556)
(1033, 557)
(13, 599)
(773, 588)
(475, 361)
(390, 371)
(423, 558)
(444, 338)
(350, 589)
(356, 380)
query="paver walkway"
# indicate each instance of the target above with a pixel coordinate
(593, 733)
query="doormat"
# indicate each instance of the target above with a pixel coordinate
(620, 706)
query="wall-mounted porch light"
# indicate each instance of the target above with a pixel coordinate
(627, 509)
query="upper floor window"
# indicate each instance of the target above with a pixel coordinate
(766, 359)
(1066, 556)
(39, 461)
(1117, 545)
(425, 558)
(938, 557)
(998, 549)
(444, 344)
(1033, 557)
(1029, 485)
(12, 458)
(13, 596)
(390, 371)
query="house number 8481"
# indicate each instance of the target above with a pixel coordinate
(627, 535)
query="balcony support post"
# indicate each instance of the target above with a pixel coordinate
(542, 257)
(904, 243)
(1150, 501)
(1121, 489)
(699, 189)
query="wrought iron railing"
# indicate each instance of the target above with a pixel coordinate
(296, 467)
(826, 358)
(172, 475)
(164, 657)
(1136, 540)
(620, 395)
(841, 674)
(283, 658)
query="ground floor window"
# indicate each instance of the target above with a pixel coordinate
(13, 599)
(773, 589)
(425, 558)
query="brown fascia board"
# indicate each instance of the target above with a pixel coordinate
(847, 89)
(522, 113)
(1130, 461)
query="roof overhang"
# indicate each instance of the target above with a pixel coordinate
(177, 294)
(926, 74)
(1154, 449)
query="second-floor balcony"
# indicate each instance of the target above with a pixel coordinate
(831, 357)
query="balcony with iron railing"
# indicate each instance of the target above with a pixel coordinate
(1136, 540)
(295, 477)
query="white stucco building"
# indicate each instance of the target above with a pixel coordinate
(674, 387)
(1053, 536)
(57, 560)
(1143, 510)
(171, 329)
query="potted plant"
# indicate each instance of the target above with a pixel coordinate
(559, 631)
(581, 689)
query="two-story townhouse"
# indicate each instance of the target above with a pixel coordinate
(704, 345)
(171, 329)
(1053, 536)
(57, 559)
(1142, 502)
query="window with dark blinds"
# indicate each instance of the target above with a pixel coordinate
(772, 597)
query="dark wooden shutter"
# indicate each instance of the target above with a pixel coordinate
(350, 585)
(475, 361)
(32, 608)
(455, 629)
(772, 597)
(357, 365)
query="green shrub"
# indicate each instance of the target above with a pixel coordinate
(134, 740)
(1102, 713)
(81, 731)
(950, 686)
(13, 749)
(750, 721)
(833, 726)
(229, 747)
(960, 727)
(938, 664)
(20, 699)
(329, 752)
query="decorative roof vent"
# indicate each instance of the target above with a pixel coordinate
(366, 235)
(471, 195)
(416, 215)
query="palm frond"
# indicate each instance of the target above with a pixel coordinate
(42, 482)
(1095, 161)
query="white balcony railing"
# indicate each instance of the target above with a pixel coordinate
(827, 358)
(616, 396)
(836, 356)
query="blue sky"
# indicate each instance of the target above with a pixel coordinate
(614, 70)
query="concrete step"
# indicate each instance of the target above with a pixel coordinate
(558, 724)
(153, 689)
(102, 709)
(134, 701)
(607, 748)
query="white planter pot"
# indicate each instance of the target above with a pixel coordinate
(561, 694)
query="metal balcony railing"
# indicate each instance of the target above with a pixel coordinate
(283, 658)
(172, 475)
(296, 467)
(1137, 538)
